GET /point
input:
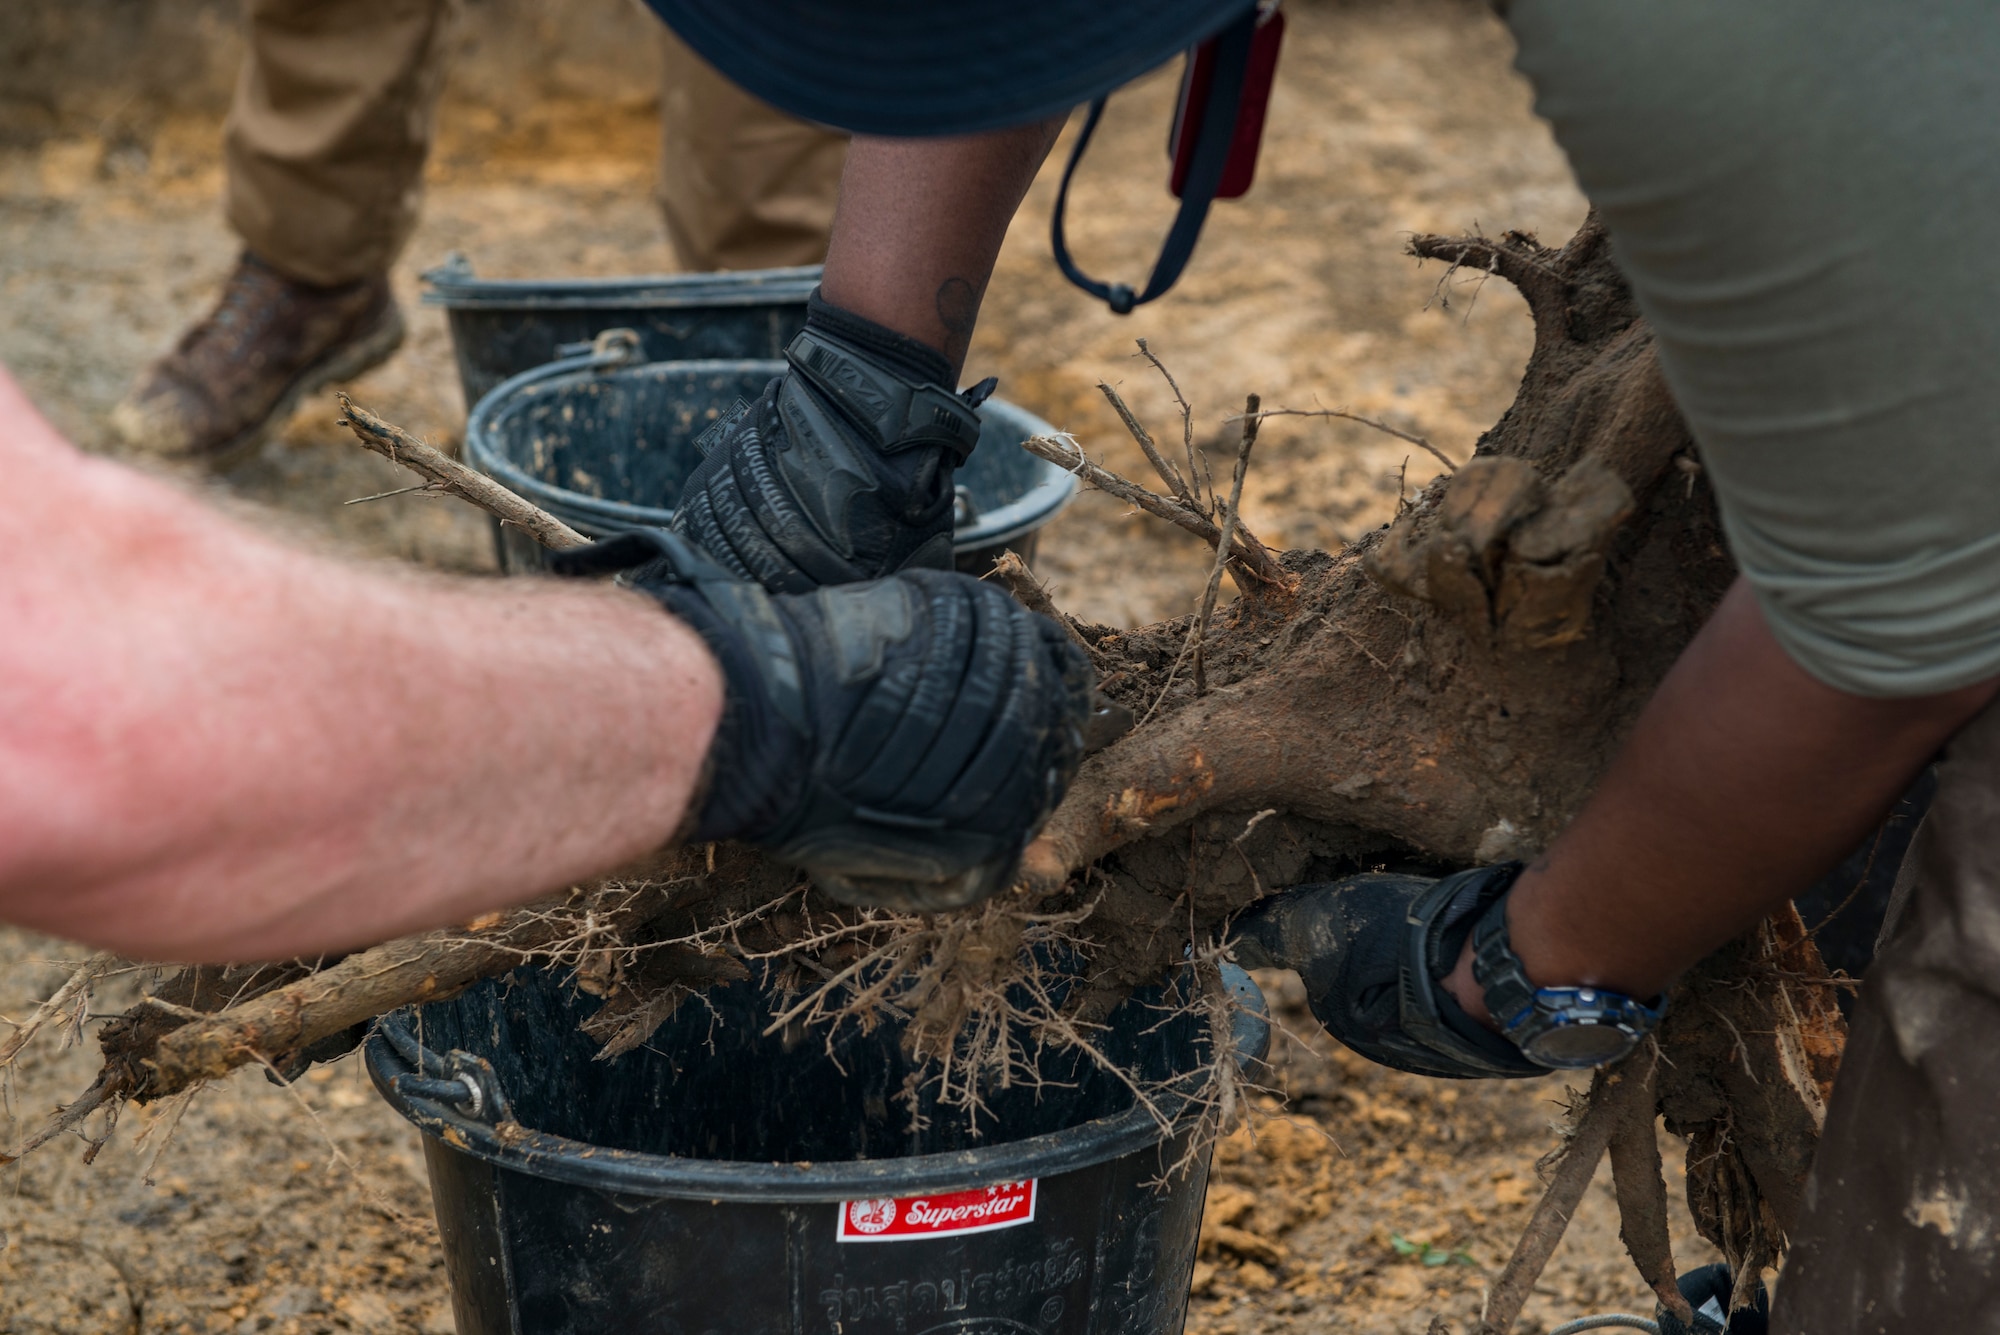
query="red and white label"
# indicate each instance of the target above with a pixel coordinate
(980, 1210)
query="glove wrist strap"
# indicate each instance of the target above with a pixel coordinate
(895, 414)
(749, 778)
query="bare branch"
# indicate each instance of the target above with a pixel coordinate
(1246, 553)
(1613, 1096)
(103, 1090)
(1168, 473)
(1195, 472)
(1420, 442)
(1011, 573)
(1642, 1196)
(445, 473)
(1231, 520)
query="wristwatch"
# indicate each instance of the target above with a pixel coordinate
(1563, 1028)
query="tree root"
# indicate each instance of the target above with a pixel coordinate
(71, 1001)
(1618, 1095)
(1443, 692)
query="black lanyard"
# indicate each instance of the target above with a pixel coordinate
(1204, 176)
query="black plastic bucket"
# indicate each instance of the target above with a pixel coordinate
(502, 327)
(718, 1180)
(605, 443)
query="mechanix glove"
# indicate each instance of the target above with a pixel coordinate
(841, 471)
(1373, 952)
(901, 739)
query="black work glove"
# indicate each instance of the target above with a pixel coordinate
(1373, 952)
(842, 469)
(1707, 1291)
(902, 739)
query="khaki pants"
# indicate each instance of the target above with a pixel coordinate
(333, 118)
(1901, 1230)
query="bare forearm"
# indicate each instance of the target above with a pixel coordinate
(212, 746)
(920, 224)
(1743, 782)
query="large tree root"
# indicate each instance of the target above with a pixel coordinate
(1445, 691)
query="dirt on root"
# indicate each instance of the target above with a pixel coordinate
(1366, 1201)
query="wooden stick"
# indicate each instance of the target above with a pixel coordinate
(1231, 521)
(445, 473)
(1168, 473)
(1187, 428)
(1421, 442)
(1611, 1096)
(1252, 555)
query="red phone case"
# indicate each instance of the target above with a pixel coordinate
(1196, 81)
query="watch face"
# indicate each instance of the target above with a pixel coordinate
(1570, 1046)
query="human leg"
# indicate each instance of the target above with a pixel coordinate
(327, 136)
(325, 146)
(742, 185)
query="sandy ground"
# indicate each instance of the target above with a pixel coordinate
(304, 1209)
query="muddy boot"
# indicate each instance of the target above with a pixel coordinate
(240, 372)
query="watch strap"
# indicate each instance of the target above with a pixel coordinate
(1510, 994)
(1530, 1016)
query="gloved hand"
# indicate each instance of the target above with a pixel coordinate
(1707, 1290)
(902, 740)
(842, 469)
(1373, 952)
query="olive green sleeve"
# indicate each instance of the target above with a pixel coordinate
(1804, 195)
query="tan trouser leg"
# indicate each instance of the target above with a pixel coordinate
(743, 185)
(327, 137)
(1902, 1220)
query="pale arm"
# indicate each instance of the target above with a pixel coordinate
(215, 746)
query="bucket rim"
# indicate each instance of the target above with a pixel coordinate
(636, 1173)
(597, 517)
(455, 287)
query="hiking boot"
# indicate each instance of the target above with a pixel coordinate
(241, 370)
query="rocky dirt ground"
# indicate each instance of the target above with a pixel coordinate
(1364, 1201)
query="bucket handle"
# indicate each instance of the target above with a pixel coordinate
(611, 347)
(467, 1082)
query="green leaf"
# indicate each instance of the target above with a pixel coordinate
(1436, 1257)
(1403, 1246)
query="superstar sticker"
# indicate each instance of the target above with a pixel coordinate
(949, 1214)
